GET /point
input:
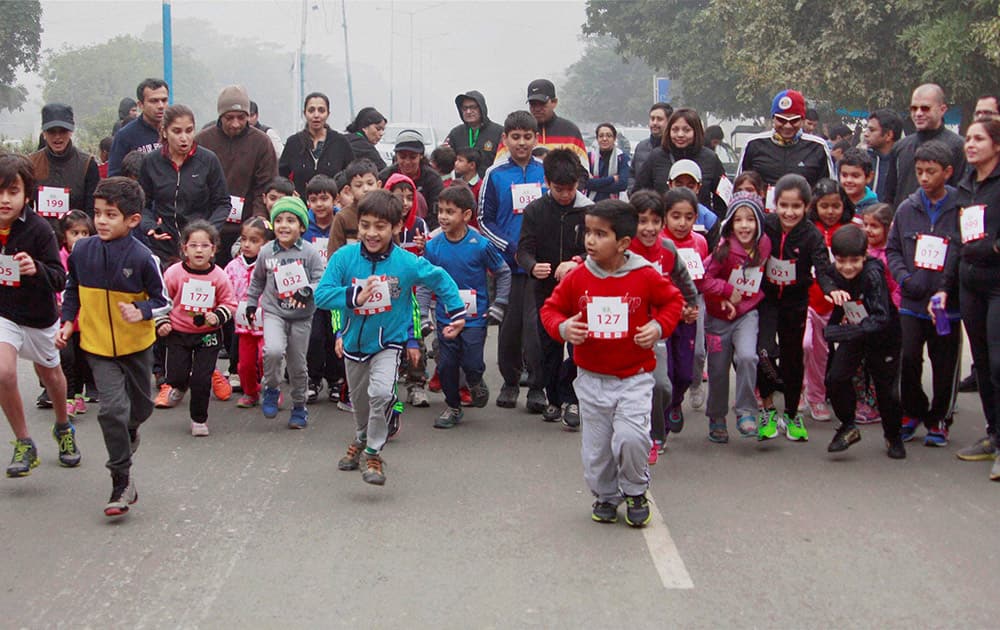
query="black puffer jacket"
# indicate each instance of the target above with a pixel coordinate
(298, 163)
(881, 327)
(983, 252)
(362, 148)
(805, 245)
(808, 157)
(552, 234)
(655, 173)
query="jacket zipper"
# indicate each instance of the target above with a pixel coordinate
(107, 303)
(361, 331)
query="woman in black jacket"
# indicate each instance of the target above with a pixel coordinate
(316, 149)
(182, 182)
(365, 132)
(684, 139)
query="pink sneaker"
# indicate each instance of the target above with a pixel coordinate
(654, 452)
(70, 408)
(820, 412)
(79, 405)
(246, 402)
(866, 414)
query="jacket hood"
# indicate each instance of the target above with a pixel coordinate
(124, 107)
(480, 100)
(399, 178)
(744, 200)
(952, 198)
(633, 261)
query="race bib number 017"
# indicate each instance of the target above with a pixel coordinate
(10, 271)
(607, 317)
(931, 252)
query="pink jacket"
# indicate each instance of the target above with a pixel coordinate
(879, 252)
(715, 285)
(239, 272)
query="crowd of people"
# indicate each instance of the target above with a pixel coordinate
(620, 284)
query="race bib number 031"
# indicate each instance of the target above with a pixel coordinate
(607, 317)
(380, 300)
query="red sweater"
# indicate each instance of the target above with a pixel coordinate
(181, 316)
(693, 241)
(649, 296)
(658, 255)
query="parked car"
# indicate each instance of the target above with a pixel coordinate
(385, 147)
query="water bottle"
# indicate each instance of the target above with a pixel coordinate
(940, 317)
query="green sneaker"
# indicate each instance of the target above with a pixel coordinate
(767, 424)
(794, 428)
(25, 458)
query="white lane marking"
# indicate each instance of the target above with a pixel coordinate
(666, 558)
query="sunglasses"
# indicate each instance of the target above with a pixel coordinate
(920, 108)
(782, 120)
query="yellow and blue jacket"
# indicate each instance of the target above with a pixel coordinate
(103, 274)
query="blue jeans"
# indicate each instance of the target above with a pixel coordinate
(465, 352)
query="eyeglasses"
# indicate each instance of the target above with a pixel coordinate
(470, 108)
(920, 108)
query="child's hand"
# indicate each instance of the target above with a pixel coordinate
(541, 270)
(25, 263)
(837, 297)
(366, 291)
(453, 329)
(944, 304)
(736, 297)
(728, 309)
(419, 240)
(164, 329)
(564, 268)
(338, 347)
(159, 233)
(647, 335)
(576, 330)
(211, 319)
(130, 312)
(690, 313)
(65, 332)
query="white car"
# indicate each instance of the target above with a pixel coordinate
(385, 147)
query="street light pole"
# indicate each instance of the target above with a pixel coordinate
(168, 52)
(347, 58)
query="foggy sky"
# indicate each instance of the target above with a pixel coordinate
(497, 47)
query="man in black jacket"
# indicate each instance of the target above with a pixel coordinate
(477, 131)
(659, 113)
(143, 133)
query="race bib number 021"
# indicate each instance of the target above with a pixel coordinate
(607, 317)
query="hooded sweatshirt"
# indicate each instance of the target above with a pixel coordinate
(552, 234)
(486, 138)
(718, 269)
(816, 300)
(412, 224)
(649, 296)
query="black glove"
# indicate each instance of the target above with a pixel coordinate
(426, 326)
(304, 295)
(199, 319)
(496, 312)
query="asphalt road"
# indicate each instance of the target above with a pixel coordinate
(488, 526)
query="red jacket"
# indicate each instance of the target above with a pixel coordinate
(649, 296)
(816, 300)
(693, 241)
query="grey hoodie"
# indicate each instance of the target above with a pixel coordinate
(263, 284)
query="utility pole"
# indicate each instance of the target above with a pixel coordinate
(168, 52)
(347, 58)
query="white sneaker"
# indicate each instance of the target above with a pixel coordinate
(697, 395)
(199, 429)
(418, 397)
(174, 397)
(820, 412)
(234, 381)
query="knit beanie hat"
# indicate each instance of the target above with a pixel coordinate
(746, 200)
(293, 205)
(788, 103)
(233, 98)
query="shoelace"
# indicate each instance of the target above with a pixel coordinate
(67, 443)
(375, 465)
(20, 451)
(797, 421)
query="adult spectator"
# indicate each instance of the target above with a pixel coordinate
(127, 111)
(608, 165)
(316, 149)
(143, 133)
(684, 139)
(884, 130)
(979, 276)
(927, 108)
(811, 122)
(714, 136)
(786, 149)
(476, 131)
(279, 146)
(182, 182)
(839, 133)
(659, 114)
(987, 108)
(410, 161)
(553, 132)
(61, 166)
(365, 132)
(248, 163)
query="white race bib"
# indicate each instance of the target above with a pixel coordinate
(10, 271)
(931, 252)
(725, 189)
(972, 220)
(53, 202)
(770, 204)
(854, 312)
(523, 194)
(198, 296)
(692, 260)
(321, 245)
(469, 297)
(380, 300)
(607, 317)
(747, 280)
(780, 272)
(235, 209)
(243, 324)
(290, 278)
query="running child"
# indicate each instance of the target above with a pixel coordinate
(74, 226)
(362, 177)
(613, 309)
(321, 360)
(203, 301)
(732, 287)
(371, 282)
(256, 232)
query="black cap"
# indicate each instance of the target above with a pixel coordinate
(57, 115)
(541, 90)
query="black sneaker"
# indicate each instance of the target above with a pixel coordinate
(393, 424)
(25, 458)
(352, 458)
(480, 394)
(69, 454)
(535, 402)
(968, 384)
(637, 512)
(895, 448)
(571, 416)
(333, 395)
(552, 413)
(43, 402)
(843, 438)
(373, 473)
(604, 512)
(508, 396)
(123, 494)
(312, 392)
(134, 439)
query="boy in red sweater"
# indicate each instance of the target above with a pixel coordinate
(613, 309)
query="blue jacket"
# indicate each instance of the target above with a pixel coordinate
(497, 219)
(366, 335)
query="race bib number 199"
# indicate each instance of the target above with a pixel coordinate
(973, 223)
(53, 202)
(607, 317)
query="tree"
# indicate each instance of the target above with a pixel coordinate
(584, 94)
(20, 39)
